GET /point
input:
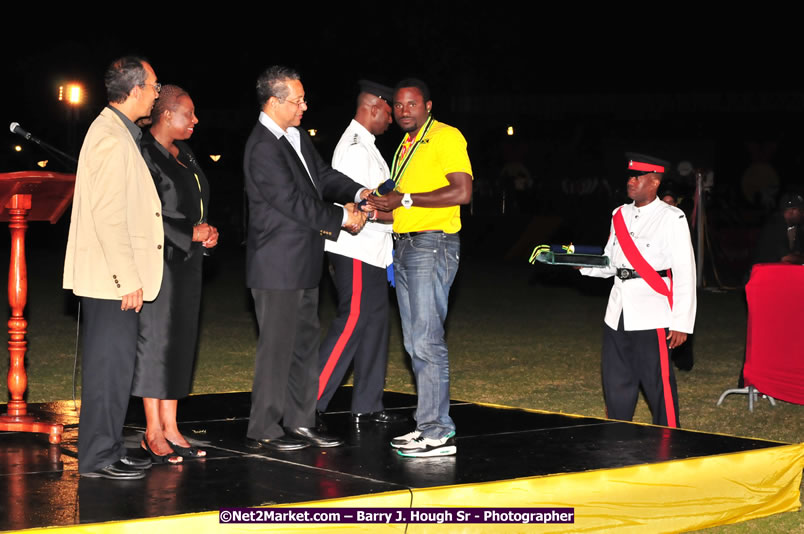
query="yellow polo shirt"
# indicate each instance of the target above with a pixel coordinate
(442, 151)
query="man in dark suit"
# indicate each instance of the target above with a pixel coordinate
(286, 183)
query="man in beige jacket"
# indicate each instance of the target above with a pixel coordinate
(113, 262)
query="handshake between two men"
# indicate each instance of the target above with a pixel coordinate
(376, 204)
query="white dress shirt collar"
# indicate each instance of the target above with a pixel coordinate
(272, 126)
(291, 134)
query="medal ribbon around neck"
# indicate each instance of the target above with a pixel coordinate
(398, 170)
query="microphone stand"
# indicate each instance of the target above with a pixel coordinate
(58, 154)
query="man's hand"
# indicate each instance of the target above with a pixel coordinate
(355, 219)
(363, 204)
(458, 192)
(387, 202)
(676, 338)
(132, 301)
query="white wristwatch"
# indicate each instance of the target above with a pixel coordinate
(407, 202)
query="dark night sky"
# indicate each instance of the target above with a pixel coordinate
(580, 86)
(485, 66)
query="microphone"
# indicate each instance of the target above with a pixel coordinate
(17, 129)
(385, 188)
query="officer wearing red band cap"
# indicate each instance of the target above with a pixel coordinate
(652, 303)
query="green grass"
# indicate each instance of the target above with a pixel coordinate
(513, 341)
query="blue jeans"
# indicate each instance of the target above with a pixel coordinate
(425, 266)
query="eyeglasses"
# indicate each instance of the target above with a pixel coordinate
(157, 86)
(297, 104)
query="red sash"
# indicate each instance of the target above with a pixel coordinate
(639, 263)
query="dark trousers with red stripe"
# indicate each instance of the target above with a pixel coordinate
(633, 359)
(358, 334)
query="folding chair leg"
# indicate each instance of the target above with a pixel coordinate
(753, 396)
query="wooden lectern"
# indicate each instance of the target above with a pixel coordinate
(24, 196)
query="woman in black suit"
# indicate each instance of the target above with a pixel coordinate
(168, 332)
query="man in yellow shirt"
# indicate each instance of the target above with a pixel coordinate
(434, 178)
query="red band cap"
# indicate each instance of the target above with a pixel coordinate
(645, 167)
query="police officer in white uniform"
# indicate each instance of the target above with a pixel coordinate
(359, 332)
(643, 324)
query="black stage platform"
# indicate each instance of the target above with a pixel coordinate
(614, 474)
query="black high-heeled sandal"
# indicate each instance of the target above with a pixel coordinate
(187, 452)
(172, 458)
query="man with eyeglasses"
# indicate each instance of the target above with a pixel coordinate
(287, 183)
(113, 263)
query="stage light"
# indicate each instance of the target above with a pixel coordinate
(215, 157)
(510, 130)
(17, 148)
(312, 132)
(72, 93)
(42, 163)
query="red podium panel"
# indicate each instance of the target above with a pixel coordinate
(51, 191)
(24, 196)
(774, 353)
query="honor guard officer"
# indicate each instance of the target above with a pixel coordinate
(652, 303)
(359, 332)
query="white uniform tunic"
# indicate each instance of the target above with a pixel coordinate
(358, 158)
(662, 236)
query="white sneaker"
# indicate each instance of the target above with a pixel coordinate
(422, 447)
(402, 440)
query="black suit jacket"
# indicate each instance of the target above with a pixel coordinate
(183, 191)
(288, 216)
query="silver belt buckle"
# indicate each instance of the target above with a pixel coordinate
(623, 274)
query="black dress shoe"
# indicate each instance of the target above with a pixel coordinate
(137, 463)
(284, 443)
(379, 417)
(117, 471)
(314, 437)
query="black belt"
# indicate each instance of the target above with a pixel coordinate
(628, 274)
(408, 235)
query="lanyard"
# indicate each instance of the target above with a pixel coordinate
(195, 171)
(200, 199)
(397, 169)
